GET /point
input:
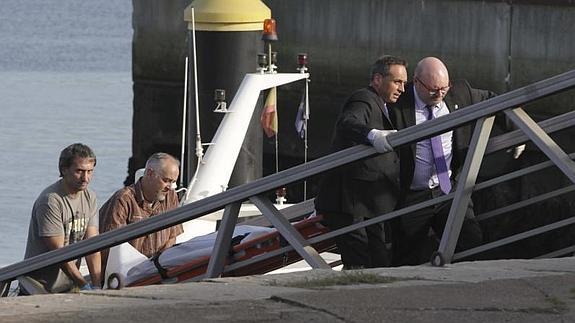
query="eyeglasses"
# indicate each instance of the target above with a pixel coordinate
(434, 92)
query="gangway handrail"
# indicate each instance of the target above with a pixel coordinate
(485, 108)
(241, 193)
(495, 144)
(517, 137)
(514, 238)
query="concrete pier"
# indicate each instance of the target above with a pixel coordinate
(489, 291)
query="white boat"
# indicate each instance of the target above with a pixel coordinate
(215, 168)
(212, 177)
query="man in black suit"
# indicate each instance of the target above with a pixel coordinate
(370, 187)
(429, 168)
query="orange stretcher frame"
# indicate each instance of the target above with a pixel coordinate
(308, 228)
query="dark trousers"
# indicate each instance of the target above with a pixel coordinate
(414, 243)
(362, 248)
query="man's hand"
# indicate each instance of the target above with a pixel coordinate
(380, 142)
(87, 286)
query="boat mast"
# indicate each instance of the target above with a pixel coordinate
(184, 117)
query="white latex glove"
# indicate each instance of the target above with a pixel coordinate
(517, 151)
(380, 141)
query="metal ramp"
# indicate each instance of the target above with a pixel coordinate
(481, 114)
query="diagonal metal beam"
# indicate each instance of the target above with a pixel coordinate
(394, 214)
(294, 212)
(514, 238)
(289, 233)
(464, 189)
(524, 203)
(543, 141)
(517, 137)
(223, 240)
(335, 233)
(517, 174)
(558, 253)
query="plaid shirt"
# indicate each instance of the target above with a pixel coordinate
(128, 206)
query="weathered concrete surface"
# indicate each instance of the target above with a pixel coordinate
(490, 291)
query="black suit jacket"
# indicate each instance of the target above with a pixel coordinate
(368, 187)
(460, 95)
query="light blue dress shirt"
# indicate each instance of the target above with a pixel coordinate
(425, 175)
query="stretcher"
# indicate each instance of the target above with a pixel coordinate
(177, 265)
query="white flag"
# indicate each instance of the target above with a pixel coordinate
(301, 116)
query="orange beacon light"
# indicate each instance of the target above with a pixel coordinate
(269, 33)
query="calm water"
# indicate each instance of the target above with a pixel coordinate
(65, 77)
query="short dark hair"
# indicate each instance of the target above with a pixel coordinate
(382, 65)
(73, 151)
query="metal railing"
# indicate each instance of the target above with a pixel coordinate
(500, 142)
(231, 199)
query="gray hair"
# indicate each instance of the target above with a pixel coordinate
(157, 160)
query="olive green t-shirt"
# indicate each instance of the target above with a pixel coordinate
(57, 214)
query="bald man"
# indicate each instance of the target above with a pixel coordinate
(423, 176)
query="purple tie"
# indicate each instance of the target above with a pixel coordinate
(439, 158)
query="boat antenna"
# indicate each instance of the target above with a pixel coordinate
(199, 148)
(184, 117)
(305, 132)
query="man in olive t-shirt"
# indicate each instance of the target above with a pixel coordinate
(64, 213)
